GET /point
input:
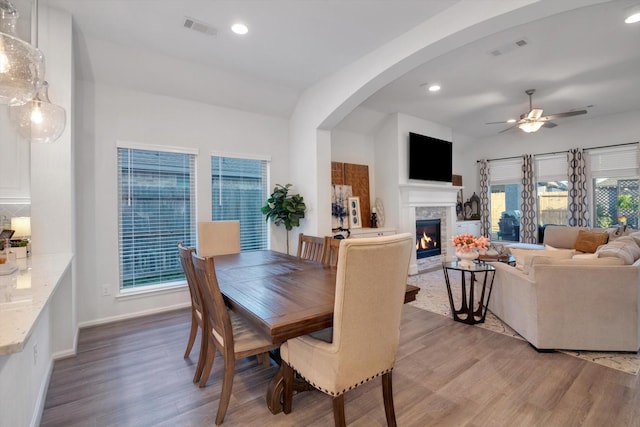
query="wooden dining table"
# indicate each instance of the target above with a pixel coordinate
(282, 296)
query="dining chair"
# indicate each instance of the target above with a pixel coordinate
(218, 237)
(227, 332)
(311, 247)
(196, 303)
(331, 251)
(371, 280)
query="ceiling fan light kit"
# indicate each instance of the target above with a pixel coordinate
(632, 14)
(533, 120)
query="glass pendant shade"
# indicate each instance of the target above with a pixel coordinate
(532, 126)
(39, 120)
(21, 65)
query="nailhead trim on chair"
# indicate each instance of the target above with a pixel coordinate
(345, 390)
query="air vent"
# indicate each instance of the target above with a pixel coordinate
(199, 26)
(506, 48)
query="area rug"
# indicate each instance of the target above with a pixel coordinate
(433, 297)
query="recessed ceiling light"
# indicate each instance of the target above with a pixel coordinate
(239, 29)
(434, 88)
(633, 18)
(511, 121)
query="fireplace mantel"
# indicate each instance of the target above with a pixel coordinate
(428, 195)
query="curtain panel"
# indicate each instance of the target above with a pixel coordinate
(577, 204)
(528, 220)
(485, 211)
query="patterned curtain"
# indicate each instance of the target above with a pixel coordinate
(577, 212)
(485, 220)
(528, 220)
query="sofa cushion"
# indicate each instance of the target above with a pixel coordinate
(561, 236)
(525, 257)
(635, 236)
(624, 247)
(578, 261)
(588, 241)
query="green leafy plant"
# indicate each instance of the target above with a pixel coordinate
(284, 209)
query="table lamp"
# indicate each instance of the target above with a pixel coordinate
(22, 227)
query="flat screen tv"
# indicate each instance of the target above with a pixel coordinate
(430, 159)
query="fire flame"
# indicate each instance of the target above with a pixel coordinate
(425, 242)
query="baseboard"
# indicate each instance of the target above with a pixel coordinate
(137, 314)
(42, 395)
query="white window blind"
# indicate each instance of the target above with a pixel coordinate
(551, 167)
(157, 209)
(505, 171)
(614, 161)
(239, 189)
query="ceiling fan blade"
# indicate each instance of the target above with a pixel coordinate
(535, 114)
(563, 115)
(496, 123)
(549, 125)
(509, 128)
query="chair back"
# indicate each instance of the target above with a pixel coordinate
(331, 251)
(218, 238)
(189, 273)
(371, 281)
(215, 311)
(311, 247)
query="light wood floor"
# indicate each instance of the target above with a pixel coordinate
(132, 373)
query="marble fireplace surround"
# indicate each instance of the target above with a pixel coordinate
(440, 201)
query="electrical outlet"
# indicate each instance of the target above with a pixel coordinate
(106, 291)
(35, 354)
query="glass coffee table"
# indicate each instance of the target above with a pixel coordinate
(470, 312)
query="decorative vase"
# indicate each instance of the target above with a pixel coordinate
(465, 259)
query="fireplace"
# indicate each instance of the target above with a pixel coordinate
(428, 238)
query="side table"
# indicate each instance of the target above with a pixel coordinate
(468, 313)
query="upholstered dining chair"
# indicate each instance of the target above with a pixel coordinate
(331, 251)
(311, 247)
(196, 303)
(227, 332)
(218, 238)
(371, 280)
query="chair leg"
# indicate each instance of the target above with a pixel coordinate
(202, 357)
(387, 394)
(338, 411)
(287, 392)
(207, 364)
(227, 384)
(192, 335)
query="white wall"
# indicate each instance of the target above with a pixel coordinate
(355, 148)
(108, 114)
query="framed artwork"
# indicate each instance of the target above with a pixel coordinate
(339, 204)
(354, 213)
(459, 206)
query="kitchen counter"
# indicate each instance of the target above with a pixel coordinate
(24, 294)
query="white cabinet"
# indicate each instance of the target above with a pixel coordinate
(357, 233)
(15, 182)
(467, 227)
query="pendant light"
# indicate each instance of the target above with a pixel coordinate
(21, 64)
(39, 120)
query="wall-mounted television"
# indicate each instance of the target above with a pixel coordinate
(430, 159)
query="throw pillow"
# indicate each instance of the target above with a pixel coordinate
(525, 257)
(624, 247)
(588, 241)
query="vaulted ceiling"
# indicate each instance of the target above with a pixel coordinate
(586, 58)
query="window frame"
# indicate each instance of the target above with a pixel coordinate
(266, 184)
(132, 145)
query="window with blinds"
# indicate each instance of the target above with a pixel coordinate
(157, 209)
(616, 196)
(238, 191)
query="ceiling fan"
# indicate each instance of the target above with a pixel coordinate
(534, 120)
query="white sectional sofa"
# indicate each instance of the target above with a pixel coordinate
(589, 302)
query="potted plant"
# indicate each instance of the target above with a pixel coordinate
(283, 208)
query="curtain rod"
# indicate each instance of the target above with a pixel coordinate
(560, 152)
